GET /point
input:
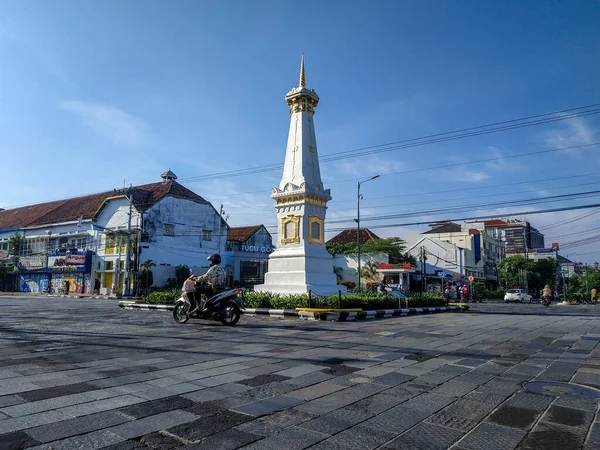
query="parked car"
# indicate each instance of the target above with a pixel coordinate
(517, 295)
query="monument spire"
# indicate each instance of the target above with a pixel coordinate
(300, 262)
(302, 76)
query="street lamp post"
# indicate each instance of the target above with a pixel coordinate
(358, 223)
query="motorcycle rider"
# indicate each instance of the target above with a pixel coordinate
(212, 281)
(547, 292)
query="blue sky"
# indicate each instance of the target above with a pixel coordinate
(95, 94)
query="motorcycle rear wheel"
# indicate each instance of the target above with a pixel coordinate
(233, 313)
(180, 313)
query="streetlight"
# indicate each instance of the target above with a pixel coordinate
(358, 223)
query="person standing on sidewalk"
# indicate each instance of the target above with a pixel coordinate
(594, 295)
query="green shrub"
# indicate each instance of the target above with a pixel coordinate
(162, 298)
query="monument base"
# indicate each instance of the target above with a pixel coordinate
(291, 271)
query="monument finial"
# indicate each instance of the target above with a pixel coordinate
(302, 77)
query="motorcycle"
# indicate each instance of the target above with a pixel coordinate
(546, 301)
(225, 307)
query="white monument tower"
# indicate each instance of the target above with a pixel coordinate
(300, 262)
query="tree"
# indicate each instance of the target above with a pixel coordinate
(394, 247)
(15, 244)
(146, 276)
(182, 273)
(545, 272)
(514, 268)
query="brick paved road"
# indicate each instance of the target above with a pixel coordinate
(102, 377)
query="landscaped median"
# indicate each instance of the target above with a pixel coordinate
(338, 307)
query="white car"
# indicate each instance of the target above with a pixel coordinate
(517, 295)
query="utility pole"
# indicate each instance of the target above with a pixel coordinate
(587, 287)
(358, 223)
(221, 212)
(128, 245)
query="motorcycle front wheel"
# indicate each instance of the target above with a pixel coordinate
(232, 314)
(180, 313)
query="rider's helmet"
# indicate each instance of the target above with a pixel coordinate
(548, 286)
(214, 259)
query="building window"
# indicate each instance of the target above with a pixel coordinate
(121, 264)
(108, 265)
(206, 235)
(4, 245)
(169, 229)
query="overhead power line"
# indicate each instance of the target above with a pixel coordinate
(424, 140)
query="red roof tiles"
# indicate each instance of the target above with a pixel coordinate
(349, 235)
(242, 234)
(70, 210)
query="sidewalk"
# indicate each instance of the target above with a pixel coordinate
(70, 295)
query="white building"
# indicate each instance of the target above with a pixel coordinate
(301, 263)
(81, 243)
(486, 247)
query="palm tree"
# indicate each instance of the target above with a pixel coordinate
(146, 277)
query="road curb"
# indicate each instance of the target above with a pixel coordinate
(328, 316)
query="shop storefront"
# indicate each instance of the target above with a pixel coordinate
(33, 276)
(70, 272)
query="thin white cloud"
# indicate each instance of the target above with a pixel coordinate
(572, 132)
(464, 174)
(364, 167)
(499, 164)
(111, 122)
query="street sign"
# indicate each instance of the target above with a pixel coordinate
(471, 278)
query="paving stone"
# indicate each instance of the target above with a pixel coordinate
(356, 438)
(393, 378)
(397, 419)
(270, 390)
(474, 378)
(462, 415)
(428, 403)
(300, 370)
(158, 441)
(454, 388)
(471, 362)
(200, 428)
(126, 445)
(267, 405)
(85, 409)
(17, 439)
(156, 406)
(577, 403)
(10, 400)
(34, 420)
(263, 379)
(500, 386)
(514, 417)
(58, 391)
(80, 425)
(150, 424)
(205, 409)
(97, 439)
(226, 440)
(528, 400)
(552, 436)
(309, 379)
(378, 403)
(568, 416)
(593, 438)
(425, 436)
(492, 437)
(340, 370)
(315, 391)
(335, 421)
(291, 438)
